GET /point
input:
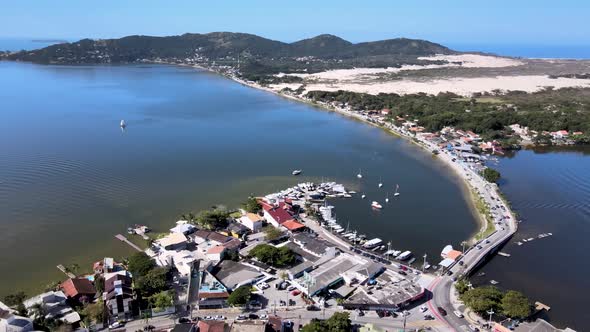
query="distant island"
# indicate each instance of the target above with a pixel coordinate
(510, 102)
(54, 41)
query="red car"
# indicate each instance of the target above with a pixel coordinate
(442, 311)
(296, 292)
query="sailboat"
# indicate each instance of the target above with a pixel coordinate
(380, 183)
(123, 124)
(360, 175)
(387, 198)
(396, 189)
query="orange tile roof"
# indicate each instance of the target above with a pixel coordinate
(78, 286)
(453, 254)
(211, 326)
(216, 250)
(292, 225)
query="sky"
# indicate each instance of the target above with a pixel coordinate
(530, 22)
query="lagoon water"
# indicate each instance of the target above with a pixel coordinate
(70, 178)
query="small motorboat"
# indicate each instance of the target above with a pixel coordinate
(359, 175)
(123, 124)
(296, 172)
(363, 196)
(376, 205)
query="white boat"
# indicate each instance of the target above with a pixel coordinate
(404, 255)
(380, 183)
(373, 243)
(396, 189)
(296, 172)
(426, 267)
(387, 198)
(363, 196)
(376, 205)
(494, 282)
(123, 124)
(360, 175)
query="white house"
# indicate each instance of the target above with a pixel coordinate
(10, 322)
(252, 221)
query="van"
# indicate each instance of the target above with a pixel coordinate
(458, 314)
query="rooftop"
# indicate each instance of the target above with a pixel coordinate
(172, 239)
(78, 286)
(232, 273)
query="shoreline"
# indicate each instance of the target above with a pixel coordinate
(468, 191)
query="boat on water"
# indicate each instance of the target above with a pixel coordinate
(380, 183)
(130, 230)
(396, 190)
(404, 255)
(494, 282)
(359, 175)
(363, 196)
(123, 124)
(296, 172)
(373, 243)
(376, 205)
(387, 198)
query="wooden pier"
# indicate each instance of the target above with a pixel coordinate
(64, 270)
(124, 239)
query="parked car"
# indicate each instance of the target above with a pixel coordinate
(241, 317)
(253, 316)
(312, 307)
(428, 317)
(116, 325)
(458, 314)
(219, 317)
(442, 311)
(290, 288)
(184, 320)
(296, 292)
(423, 308)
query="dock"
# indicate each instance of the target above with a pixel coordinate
(541, 306)
(64, 270)
(122, 238)
(503, 254)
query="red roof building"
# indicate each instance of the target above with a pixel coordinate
(292, 225)
(277, 215)
(210, 326)
(78, 287)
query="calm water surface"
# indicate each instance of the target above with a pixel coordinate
(551, 191)
(70, 179)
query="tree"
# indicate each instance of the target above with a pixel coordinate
(140, 264)
(152, 282)
(277, 257)
(99, 283)
(491, 175)
(516, 305)
(272, 233)
(339, 322)
(482, 299)
(461, 286)
(240, 296)
(13, 300)
(162, 299)
(93, 312)
(212, 219)
(251, 205)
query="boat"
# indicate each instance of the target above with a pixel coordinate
(363, 196)
(396, 189)
(494, 282)
(373, 243)
(296, 172)
(123, 124)
(376, 205)
(481, 274)
(359, 175)
(387, 198)
(404, 255)
(130, 230)
(380, 183)
(426, 267)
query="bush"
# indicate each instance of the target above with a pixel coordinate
(482, 299)
(251, 205)
(140, 264)
(339, 322)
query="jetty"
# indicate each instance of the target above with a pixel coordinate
(64, 270)
(122, 238)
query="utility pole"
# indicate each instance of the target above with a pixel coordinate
(491, 312)
(388, 248)
(463, 246)
(405, 313)
(424, 264)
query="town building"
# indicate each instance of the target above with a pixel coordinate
(212, 293)
(11, 322)
(54, 306)
(118, 294)
(79, 289)
(251, 220)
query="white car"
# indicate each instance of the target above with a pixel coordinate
(458, 314)
(264, 316)
(219, 317)
(115, 325)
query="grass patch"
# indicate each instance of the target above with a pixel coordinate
(484, 210)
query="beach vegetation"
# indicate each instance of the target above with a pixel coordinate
(251, 205)
(212, 219)
(515, 305)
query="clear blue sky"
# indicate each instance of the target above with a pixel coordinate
(532, 22)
